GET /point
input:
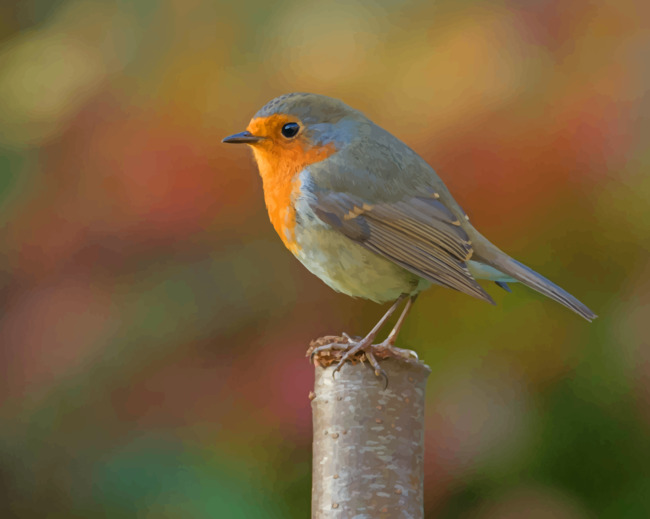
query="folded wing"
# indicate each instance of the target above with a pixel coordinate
(418, 233)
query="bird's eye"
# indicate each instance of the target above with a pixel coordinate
(290, 130)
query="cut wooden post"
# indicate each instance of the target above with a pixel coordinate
(368, 445)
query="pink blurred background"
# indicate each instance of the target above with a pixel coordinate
(153, 327)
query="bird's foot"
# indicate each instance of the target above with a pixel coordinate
(388, 349)
(330, 349)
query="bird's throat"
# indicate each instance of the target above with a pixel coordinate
(280, 168)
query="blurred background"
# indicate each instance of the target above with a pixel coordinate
(153, 327)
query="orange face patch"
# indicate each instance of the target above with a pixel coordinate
(280, 161)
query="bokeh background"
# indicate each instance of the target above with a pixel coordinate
(153, 328)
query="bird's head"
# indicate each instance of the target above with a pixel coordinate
(295, 130)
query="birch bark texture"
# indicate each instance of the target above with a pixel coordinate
(368, 445)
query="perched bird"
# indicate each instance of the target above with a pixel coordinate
(367, 215)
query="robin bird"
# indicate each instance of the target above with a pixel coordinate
(366, 214)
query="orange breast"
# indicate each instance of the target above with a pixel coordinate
(280, 164)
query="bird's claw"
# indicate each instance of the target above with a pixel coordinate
(382, 373)
(326, 347)
(394, 351)
(357, 346)
(351, 346)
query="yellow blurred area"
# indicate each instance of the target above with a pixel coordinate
(153, 326)
(48, 74)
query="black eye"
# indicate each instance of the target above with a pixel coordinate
(290, 130)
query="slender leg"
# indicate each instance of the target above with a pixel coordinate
(386, 348)
(366, 342)
(388, 345)
(392, 337)
(353, 346)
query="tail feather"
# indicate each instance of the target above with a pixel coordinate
(529, 277)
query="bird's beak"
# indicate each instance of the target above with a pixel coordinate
(242, 138)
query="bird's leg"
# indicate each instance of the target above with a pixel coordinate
(351, 346)
(389, 343)
(366, 346)
(356, 344)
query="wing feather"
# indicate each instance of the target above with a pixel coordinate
(419, 234)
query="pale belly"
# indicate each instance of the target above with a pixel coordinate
(349, 268)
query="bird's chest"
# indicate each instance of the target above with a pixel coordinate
(283, 170)
(281, 189)
(340, 262)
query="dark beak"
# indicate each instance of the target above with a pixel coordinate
(242, 138)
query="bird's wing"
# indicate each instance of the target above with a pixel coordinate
(418, 233)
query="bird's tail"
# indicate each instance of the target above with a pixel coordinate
(504, 263)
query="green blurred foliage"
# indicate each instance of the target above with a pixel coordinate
(153, 327)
